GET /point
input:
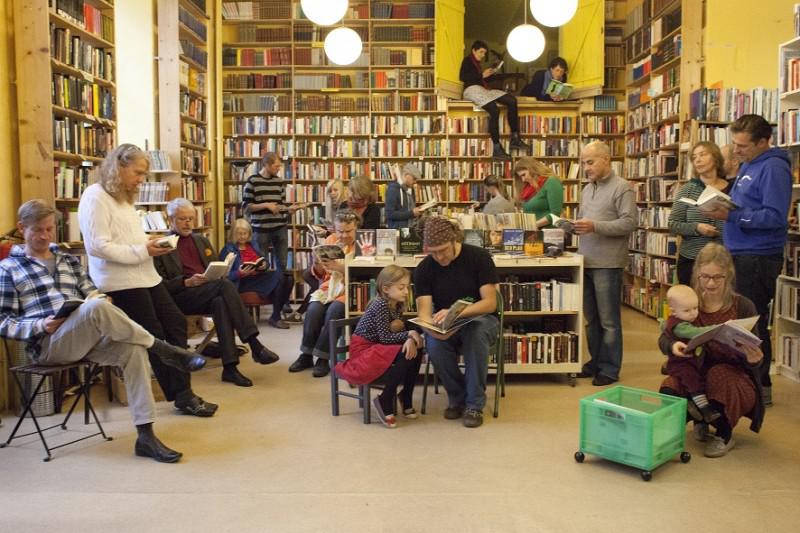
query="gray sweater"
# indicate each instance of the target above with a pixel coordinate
(609, 203)
(498, 205)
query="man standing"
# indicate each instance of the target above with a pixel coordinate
(183, 272)
(37, 278)
(607, 216)
(454, 271)
(755, 234)
(401, 206)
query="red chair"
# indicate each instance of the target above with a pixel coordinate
(253, 302)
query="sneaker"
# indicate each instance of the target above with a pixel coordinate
(321, 368)
(766, 396)
(410, 412)
(700, 432)
(387, 420)
(293, 318)
(716, 447)
(472, 418)
(454, 412)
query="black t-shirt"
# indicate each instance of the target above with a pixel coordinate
(463, 278)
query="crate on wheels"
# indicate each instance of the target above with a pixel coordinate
(634, 427)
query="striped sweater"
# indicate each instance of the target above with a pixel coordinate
(684, 218)
(259, 189)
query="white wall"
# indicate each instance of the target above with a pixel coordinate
(136, 71)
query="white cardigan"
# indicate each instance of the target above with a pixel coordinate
(115, 243)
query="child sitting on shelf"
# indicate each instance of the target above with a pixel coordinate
(381, 346)
(683, 304)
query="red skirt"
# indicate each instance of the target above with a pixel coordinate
(367, 362)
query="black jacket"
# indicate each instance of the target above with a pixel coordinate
(468, 74)
(371, 219)
(170, 267)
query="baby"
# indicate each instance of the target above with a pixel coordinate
(687, 370)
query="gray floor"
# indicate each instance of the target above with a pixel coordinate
(274, 459)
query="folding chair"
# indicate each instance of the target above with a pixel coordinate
(496, 353)
(85, 371)
(193, 321)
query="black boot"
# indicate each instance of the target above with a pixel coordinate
(148, 445)
(499, 153)
(177, 357)
(517, 144)
(231, 374)
(321, 368)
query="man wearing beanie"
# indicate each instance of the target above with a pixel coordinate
(400, 204)
(452, 271)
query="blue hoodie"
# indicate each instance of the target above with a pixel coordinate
(763, 189)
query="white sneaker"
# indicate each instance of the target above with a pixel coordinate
(716, 447)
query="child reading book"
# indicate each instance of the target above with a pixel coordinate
(381, 346)
(683, 304)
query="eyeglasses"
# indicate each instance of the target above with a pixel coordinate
(716, 278)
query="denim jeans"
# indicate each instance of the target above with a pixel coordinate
(315, 328)
(278, 240)
(602, 299)
(473, 341)
(755, 279)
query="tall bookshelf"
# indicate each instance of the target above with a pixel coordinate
(69, 124)
(185, 67)
(662, 51)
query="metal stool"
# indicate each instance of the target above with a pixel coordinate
(90, 370)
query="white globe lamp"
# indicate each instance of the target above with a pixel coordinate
(324, 12)
(525, 43)
(553, 13)
(343, 46)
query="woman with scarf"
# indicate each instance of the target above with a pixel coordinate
(361, 200)
(541, 192)
(477, 91)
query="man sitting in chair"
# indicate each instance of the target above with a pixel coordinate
(183, 271)
(455, 271)
(37, 278)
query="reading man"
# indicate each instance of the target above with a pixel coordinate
(37, 278)
(454, 271)
(183, 272)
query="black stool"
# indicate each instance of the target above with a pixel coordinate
(90, 370)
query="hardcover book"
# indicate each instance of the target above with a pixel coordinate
(365, 243)
(513, 241)
(386, 241)
(533, 245)
(410, 241)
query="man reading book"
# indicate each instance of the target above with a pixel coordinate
(183, 273)
(556, 70)
(454, 271)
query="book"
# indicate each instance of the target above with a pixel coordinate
(327, 252)
(498, 66)
(261, 263)
(558, 88)
(365, 243)
(410, 241)
(533, 244)
(494, 240)
(513, 241)
(733, 333)
(427, 205)
(475, 237)
(711, 199)
(553, 238)
(71, 304)
(451, 322)
(170, 241)
(386, 241)
(220, 269)
(568, 226)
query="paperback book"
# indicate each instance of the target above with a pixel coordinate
(534, 245)
(410, 242)
(514, 241)
(386, 241)
(451, 322)
(220, 269)
(733, 333)
(711, 199)
(365, 243)
(568, 226)
(558, 88)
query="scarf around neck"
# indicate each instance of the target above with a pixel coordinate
(477, 66)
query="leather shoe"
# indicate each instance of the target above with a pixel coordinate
(454, 412)
(585, 374)
(279, 324)
(302, 362)
(265, 356)
(321, 368)
(601, 380)
(150, 446)
(197, 407)
(232, 375)
(177, 357)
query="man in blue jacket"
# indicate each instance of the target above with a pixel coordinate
(401, 206)
(755, 233)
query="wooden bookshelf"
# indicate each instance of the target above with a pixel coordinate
(69, 124)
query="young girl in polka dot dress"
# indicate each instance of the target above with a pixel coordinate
(382, 347)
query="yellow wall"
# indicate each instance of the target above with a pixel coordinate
(9, 179)
(581, 44)
(741, 41)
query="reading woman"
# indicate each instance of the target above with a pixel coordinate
(556, 70)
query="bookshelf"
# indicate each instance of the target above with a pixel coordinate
(662, 45)
(560, 332)
(70, 123)
(185, 66)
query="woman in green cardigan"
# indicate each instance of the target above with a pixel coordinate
(540, 191)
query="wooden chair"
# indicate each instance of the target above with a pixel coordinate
(496, 353)
(253, 302)
(193, 323)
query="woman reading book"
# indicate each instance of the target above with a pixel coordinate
(732, 385)
(540, 191)
(556, 70)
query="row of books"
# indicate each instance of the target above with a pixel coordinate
(257, 81)
(654, 216)
(528, 124)
(520, 294)
(410, 55)
(194, 134)
(195, 161)
(361, 293)
(719, 135)
(331, 103)
(74, 51)
(667, 51)
(406, 125)
(606, 102)
(252, 103)
(415, 102)
(70, 180)
(87, 16)
(159, 160)
(415, 147)
(193, 189)
(193, 106)
(82, 138)
(256, 148)
(540, 348)
(401, 79)
(81, 95)
(330, 81)
(661, 244)
(153, 220)
(191, 78)
(402, 33)
(190, 21)
(790, 355)
(320, 170)
(390, 10)
(261, 125)
(251, 33)
(194, 52)
(256, 10)
(661, 189)
(256, 57)
(726, 105)
(153, 192)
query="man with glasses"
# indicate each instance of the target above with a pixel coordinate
(455, 271)
(755, 233)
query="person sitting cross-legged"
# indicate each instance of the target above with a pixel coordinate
(37, 278)
(183, 273)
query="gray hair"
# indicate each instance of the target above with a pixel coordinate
(178, 203)
(599, 148)
(237, 224)
(33, 211)
(123, 155)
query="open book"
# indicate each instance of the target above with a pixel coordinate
(428, 205)
(71, 304)
(733, 333)
(254, 265)
(220, 269)
(328, 252)
(711, 199)
(170, 241)
(558, 88)
(451, 322)
(563, 223)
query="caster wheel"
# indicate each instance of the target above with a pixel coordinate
(647, 475)
(109, 438)
(686, 457)
(579, 457)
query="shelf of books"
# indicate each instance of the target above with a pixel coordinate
(662, 40)
(70, 123)
(185, 40)
(543, 314)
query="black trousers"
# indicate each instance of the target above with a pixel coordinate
(403, 371)
(684, 267)
(510, 101)
(220, 298)
(755, 278)
(156, 311)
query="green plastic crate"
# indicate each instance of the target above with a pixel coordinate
(635, 427)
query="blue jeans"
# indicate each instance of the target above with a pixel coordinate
(602, 298)
(278, 240)
(473, 341)
(315, 328)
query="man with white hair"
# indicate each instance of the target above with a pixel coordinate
(183, 272)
